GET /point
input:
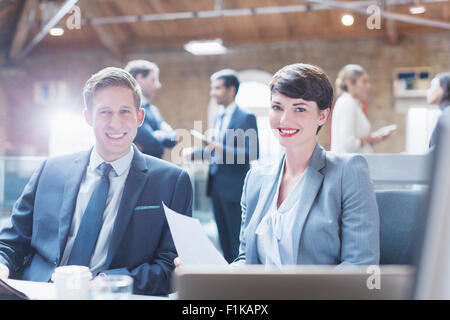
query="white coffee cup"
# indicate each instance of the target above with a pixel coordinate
(72, 282)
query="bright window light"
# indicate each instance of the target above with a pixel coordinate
(69, 133)
(347, 20)
(253, 94)
(56, 32)
(417, 9)
(420, 123)
(206, 47)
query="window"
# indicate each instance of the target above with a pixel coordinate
(420, 123)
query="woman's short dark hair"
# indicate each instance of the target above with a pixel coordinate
(444, 81)
(304, 81)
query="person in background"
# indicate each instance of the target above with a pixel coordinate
(350, 129)
(155, 134)
(234, 145)
(439, 93)
(100, 208)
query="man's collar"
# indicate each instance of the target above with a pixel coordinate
(120, 165)
(229, 109)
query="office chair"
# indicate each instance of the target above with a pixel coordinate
(401, 219)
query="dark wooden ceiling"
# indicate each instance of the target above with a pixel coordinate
(173, 33)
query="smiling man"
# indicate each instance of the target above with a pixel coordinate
(101, 208)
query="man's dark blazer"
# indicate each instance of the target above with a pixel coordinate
(146, 138)
(141, 244)
(238, 151)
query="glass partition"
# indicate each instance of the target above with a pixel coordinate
(14, 175)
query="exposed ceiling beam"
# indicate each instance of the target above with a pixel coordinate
(23, 27)
(104, 33)
(391, 29)
(391, 32)
(65, 8)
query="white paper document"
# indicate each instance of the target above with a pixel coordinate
(192, 244)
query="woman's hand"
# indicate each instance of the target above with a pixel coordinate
(374, 139)
(177, 262)
(4, 272)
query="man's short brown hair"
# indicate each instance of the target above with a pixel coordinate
(111, 77)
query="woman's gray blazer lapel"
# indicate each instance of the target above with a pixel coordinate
(268, 185)
(313, 182)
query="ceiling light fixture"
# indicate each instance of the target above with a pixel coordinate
(417, 9)
(56, 32)
(347, 20)
(205, 47)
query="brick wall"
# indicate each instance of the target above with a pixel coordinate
(184, 96)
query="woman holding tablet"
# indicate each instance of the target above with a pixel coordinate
(350, 129)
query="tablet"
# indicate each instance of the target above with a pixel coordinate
(384, 131)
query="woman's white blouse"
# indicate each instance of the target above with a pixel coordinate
(349, 125)
(275, 232)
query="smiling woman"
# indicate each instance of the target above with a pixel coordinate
(312, 207)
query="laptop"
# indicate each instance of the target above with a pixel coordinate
(255, 282)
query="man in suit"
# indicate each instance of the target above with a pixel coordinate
(154, 135)
(101, 208)
(234, 144)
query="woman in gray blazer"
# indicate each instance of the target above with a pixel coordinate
(314, 206)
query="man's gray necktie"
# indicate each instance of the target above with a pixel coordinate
(91, 222)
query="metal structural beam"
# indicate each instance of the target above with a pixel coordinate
(65, 8)
(23, 27)
(356, 6)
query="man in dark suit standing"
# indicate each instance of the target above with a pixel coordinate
(155, 134)
(233, 146)
(101, 208)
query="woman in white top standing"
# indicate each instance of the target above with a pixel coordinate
(350, 128)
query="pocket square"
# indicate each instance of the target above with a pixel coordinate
(146, 207)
